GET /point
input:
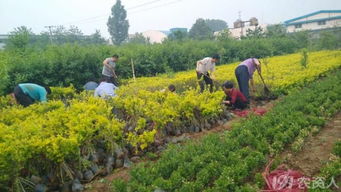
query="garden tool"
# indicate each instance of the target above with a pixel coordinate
(266, 89)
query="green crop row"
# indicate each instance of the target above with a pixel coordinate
(225, 162)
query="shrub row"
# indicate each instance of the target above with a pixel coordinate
(225, 162)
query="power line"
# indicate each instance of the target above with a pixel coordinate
(87, 19)
(137, 11)
(102, 16)
(144, 4)
(163, 5)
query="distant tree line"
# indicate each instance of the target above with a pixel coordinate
(23, 37)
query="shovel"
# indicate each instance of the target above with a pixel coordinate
(266, 89)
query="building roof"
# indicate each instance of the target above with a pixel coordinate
(292, 21)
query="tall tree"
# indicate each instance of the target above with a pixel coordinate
(178, 36)
(74, 34)
(118, 24)
(200, 30)
(96, 38)
(256, 33)
(216, 24)
(301, 38)
(276, 30)
(224, 35)
(328, 40)
(19, 38)
(138, 38)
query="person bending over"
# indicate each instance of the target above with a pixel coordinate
(105, 90)
(26, 94)
(109, 70)
(203, 67)
(244, 74)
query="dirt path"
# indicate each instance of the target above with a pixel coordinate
(103, 184)
(316, 150)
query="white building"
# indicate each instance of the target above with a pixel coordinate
(241, 28)
(242, 31)
(155, 36)
(319, 20)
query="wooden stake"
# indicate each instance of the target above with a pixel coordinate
(133, 69)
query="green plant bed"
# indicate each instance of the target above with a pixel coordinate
(225, 162)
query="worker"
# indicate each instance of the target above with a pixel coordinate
(171, 89)
(234, 97)
(109, 69)
(105, 89)
(205, 66)
(26, 94)
(90, 86)
(244, 74)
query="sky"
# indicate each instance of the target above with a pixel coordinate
(143, 15)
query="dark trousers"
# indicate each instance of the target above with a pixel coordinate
(239, 105)
(112, 80)
(22, 98)
(243, 77)
(204, 79)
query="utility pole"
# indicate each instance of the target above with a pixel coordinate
(242, 24)
(50, 30)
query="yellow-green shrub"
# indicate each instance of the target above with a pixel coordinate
(53, 132)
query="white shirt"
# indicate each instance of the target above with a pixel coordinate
(105, 90)
(206, 65)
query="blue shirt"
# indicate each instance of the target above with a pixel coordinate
(36, 92)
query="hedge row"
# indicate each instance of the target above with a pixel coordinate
(74, 64)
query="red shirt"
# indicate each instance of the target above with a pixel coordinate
(235, 94)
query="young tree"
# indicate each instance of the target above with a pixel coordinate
(216, 24)
(200, 30)
(118, 24)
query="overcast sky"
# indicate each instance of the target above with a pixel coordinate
(143, 15)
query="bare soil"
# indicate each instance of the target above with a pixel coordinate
(316, 150)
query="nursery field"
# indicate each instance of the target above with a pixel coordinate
(76, 136)
(228, 161)
(280, 73)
